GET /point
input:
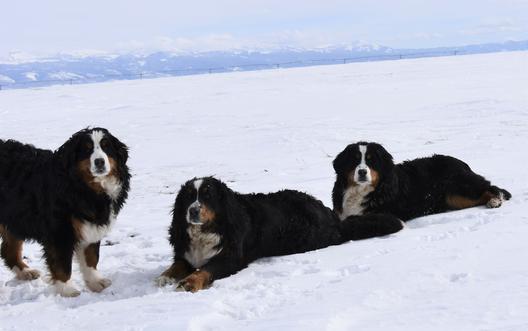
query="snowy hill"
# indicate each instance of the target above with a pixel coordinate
(22, 70)
(268, 130)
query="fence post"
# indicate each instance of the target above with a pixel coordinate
(71, 81)
(209, 70)
(401, 56)
(277, 65)
(140, 75)
(0, 87)
(455, 52)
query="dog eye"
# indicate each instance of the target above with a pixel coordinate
(104, 142)
(368, 156)
(88, 145)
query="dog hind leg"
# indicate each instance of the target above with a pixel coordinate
(11, 252)
(469, 190)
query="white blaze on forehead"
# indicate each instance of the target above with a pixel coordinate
(197, 184)
(362, 166)
(363, 151)
(196, 204)
(98, 153)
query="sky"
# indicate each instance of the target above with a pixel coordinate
(83, 27)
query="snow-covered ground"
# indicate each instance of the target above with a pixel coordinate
(268, 130)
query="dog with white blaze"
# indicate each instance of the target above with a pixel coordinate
(368, 181)
(216, 232)
(67, 200)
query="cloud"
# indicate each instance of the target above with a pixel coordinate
(492, 27)
(223, 42)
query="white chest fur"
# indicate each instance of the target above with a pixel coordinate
(111, 185)
(92, 233)
(353, 198)
(202, 246)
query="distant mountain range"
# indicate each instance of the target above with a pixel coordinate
(74, 69)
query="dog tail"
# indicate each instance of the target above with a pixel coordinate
(369, 226)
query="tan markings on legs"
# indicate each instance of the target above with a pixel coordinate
(177, 271)
(461, 202)
(88, 257)
(58, 268)
(196, 281)
(59, 264)
(77, 228)
(11, 252)
(91, 254)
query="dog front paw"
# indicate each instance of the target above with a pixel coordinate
(66, 289)
(26, 273)
(98, 284)
(163, 280)
(196, 281)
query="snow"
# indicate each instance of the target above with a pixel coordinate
(268, 130)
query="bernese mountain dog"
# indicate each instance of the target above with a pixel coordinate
(216, 232)
(66, 200)
(368, 181)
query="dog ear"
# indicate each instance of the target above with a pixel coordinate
(236, 220)
(341, 160)
(121, 149)
(385, 157)
(67, 153)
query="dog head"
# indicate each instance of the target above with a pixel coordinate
(94, 154)
(363, 163)
(202, 200)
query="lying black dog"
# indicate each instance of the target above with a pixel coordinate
(368, 181)
(216, 232)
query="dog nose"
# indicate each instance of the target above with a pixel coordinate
(99, 163)
(193, 213)
(362, 172)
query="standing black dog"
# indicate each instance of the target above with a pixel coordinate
(368, 181)
(66, 200)
(216, 232)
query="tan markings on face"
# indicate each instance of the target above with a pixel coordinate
(196, 281)
(113, 167)
(206, 214)
(374, 175)
(178, 270)
(91, 256)
(11, 250)
(83, 168)
(461, 202)
(350, 179)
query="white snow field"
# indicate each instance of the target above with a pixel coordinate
(268, 130)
